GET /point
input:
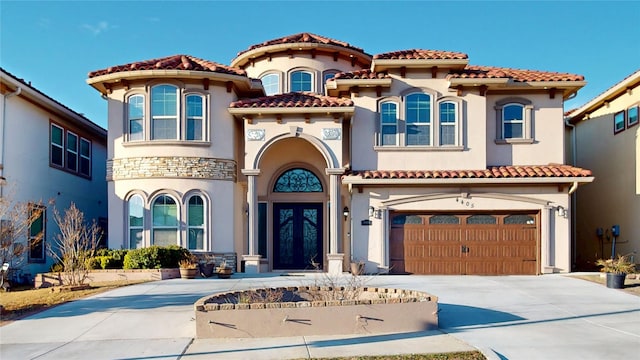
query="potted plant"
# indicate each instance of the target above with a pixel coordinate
(357, 267)
(223, 270)
(616, 270)
(207, 264)
(188, 268)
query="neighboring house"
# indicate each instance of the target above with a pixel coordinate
(412, 161)
(49, 154)
(606, 138)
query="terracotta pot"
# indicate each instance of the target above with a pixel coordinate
(224, 273)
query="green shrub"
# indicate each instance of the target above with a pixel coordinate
(92, 263)
(154, 257)
(108, 262)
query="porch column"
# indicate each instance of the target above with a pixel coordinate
(252, 260)
(384, 241)
(548, 232)
(335, 259)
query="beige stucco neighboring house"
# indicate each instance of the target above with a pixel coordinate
(605, 137)
(307, 152)
(50, 155)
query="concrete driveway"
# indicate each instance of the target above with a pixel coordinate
(512, 317)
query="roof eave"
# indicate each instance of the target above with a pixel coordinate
(613, 92)
(384, 64)
(98, 82)
(244, 58)
(358, 180)
(291, 110)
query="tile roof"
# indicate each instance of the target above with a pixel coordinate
(491, 72)
(420, 54)
(292, 100)
(304, 37)
(361, 74)
(491, 172)
(175, 62)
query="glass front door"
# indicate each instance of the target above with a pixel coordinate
(297, 235)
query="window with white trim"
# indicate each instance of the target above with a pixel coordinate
(136, 117)
(196, 223)
(164, 212)
(271, 84)
(164, 112)
(448, 123)
(388, 124)
(195, 117)
(300, 81)
(514, 121)
(69, 151)
(136, 222)
(418, 119)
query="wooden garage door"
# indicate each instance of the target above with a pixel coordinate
(472, 243)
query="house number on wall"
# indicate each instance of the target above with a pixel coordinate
(464, 202)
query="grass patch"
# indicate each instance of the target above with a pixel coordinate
(21, 302)
(467, 355)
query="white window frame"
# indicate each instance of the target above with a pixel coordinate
(155, 227)
(68, 150)
(527, 121)
(63, 151)
(455, 124)
(203, 122)
(416, 123)
(130, 119)
(277, 83)
(202, 227)
(82, 156)
(175, 117)
(381, 124)
(135, 227)
(311, 80)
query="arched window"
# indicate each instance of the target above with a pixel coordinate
(388, 123)
(165, 221)
(136, 117)
(298, 180)
(513, 121)
(418, 119)
(195, 117)
(136, 222)
(448, 123)
(327, 75)
(271, 84)
(164, 112)
(300, 81)
(195, 223)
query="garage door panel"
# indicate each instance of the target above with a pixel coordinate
(472, 244)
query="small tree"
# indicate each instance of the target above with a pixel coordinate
(15, 233)
(76, 242)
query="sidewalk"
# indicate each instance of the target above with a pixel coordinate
(511, 317)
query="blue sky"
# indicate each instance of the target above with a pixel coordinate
(54, 44)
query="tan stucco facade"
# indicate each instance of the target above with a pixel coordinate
(614, 157)
(255, 147)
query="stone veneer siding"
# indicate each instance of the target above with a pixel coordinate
(171, 167)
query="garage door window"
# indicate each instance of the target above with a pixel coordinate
(482, 220)
(444, 219)
(519, 219)
(407, 219)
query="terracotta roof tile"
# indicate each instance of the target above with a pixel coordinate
(420, 54)
(295, 99)
(490, 72)
(303, 38)
(361, 74)
(492, 172)
(175, 62)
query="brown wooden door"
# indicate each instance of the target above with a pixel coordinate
(474, 243)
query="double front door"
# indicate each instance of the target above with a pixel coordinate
(297, 235)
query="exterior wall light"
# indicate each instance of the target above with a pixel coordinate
(345, 213)
(372, 211)
(561, 211)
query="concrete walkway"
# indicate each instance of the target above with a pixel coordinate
(512, 317)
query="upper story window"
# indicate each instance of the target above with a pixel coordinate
(632, 116)
(448, 123)
(418, 119)
(618, 122)
(136, 117)
(327, 75)
(69, 151)
(271, 84)
(175, 114)
(388, 124)
(300, 81)
(513, 121)
(164, 112)
(195, 117)
(425, 123)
